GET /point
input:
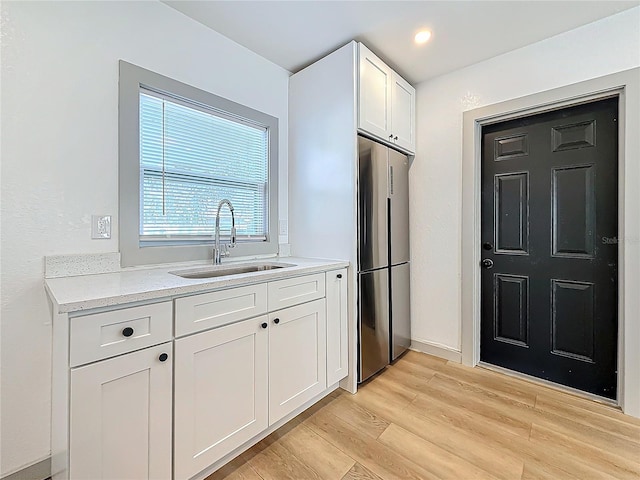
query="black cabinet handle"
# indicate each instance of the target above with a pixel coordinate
(276, 321)
(339, 275)
(163, 357)
(487, 246)
(396, 137)
(127, 332)
(264, 325)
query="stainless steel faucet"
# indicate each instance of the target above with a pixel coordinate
(220, 252)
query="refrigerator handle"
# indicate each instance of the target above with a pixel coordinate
(391, 179)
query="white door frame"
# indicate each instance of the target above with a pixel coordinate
(626, 85)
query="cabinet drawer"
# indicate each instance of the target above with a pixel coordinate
(293, 291)
(102, 335)
(209, 310)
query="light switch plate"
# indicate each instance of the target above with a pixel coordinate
(100, 226)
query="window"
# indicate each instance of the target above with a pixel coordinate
(182, 150)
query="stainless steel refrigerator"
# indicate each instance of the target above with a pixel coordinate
(384, 328)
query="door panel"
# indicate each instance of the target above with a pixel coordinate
(120, 424)
(297, 357)
(511, 207)
(221, 393)
(373, 245)
(374, 106)
(398, 207)
(374, 322)
(549, 233)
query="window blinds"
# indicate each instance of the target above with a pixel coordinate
(190, 159)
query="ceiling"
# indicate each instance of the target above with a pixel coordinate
(294, 34)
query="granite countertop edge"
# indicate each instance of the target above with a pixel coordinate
(89, 292)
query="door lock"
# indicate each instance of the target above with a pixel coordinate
(487, 263)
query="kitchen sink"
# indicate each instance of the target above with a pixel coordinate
(226, 270)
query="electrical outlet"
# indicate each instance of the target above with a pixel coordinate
(100, 226)
(284, 227)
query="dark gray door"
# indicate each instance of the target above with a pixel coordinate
(550, 252)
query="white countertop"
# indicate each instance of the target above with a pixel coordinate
(86, 292)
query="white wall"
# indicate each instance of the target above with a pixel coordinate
(607, 46)
(60, 157)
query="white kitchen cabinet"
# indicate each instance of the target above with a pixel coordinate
(386, 102)
(221, 393)
(120, 421)
(297, 357)
(337, 338)
(403, 113)
(374, 105)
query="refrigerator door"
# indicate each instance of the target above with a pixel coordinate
(400, 310)
(399, 207)
(373, 328)
(372, 205)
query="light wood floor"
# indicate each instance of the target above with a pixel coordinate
(426, 418)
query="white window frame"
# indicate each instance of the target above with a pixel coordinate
(133, 79)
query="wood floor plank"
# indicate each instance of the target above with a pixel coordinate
(276, 462)
(586, 405)
(366, 451)
(237, 469)
(534, 470)
(430, 456)
(598, 458)
(364, 420)
(328, 461)
(610, 423)
(512, 387)
(359, 472)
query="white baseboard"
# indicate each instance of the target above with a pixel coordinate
(437, 350)
(38, 471)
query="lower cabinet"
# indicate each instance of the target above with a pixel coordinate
(173, 410)
(337, 326)
(297, 357)
(221, 393)
(120, 421)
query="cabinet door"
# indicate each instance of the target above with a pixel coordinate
(374, 95)
(403, 113)
(220, 393)
(120, 422)
(337, 343)
(297, 357)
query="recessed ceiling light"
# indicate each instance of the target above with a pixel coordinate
(423, 36)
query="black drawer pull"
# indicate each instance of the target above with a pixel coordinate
(127, 332)
(264, 325)
(339, 275)
(276, 321)
(163, 357)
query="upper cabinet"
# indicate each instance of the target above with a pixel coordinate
(386, 102)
